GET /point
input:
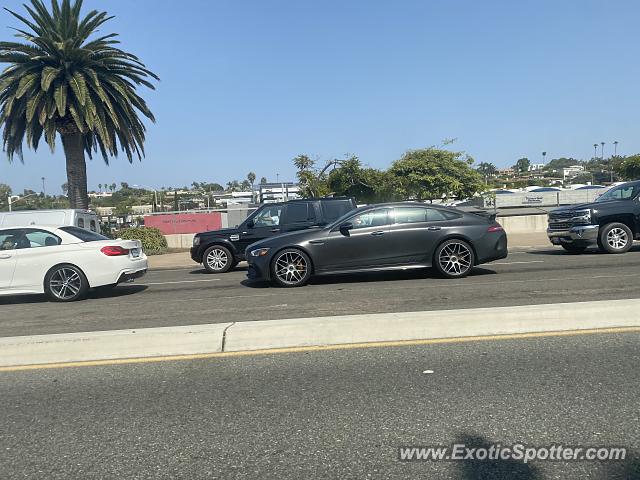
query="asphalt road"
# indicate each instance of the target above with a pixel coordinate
(328, 414)
(189, 296)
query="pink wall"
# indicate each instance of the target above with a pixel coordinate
(184, 222)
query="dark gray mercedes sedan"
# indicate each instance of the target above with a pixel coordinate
(393, 236)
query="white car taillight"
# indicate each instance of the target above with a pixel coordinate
(114, 251)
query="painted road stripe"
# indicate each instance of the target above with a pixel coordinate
(321, 348)
(181, 281)
(516, 263)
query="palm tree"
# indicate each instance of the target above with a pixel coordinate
(113, 187)
(61, 82)
(99, 187)
(263, 180)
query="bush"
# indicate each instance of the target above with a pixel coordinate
(153, 242)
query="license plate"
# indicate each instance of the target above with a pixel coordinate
(135, 253)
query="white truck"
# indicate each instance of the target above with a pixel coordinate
(85, 219)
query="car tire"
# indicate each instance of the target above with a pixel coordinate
(454, 259)
(217, 259)
(291, 268)
(574, 249)
(65, 283)
(615, 238)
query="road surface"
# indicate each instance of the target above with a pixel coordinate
(328, 414)
(189, 296)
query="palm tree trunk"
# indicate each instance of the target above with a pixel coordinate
(76, 170)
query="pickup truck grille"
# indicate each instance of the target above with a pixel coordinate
(559, 226)
(561, 217)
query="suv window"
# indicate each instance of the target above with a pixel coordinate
(297, 212)
(334, 209)
(268, 217)
(371, 218)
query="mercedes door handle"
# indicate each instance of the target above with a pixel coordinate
(434, 228)
(275, 230)
(4, 257)
(377, 233)
(316, 242)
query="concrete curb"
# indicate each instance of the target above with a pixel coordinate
(110, 345)
(305, 332)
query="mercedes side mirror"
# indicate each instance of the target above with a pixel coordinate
(345, 227)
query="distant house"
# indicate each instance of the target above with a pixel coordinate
(100, 194)
(572, 171)
(534, 167)
(506, 172)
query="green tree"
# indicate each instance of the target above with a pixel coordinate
(433, 173)
(233, 186)
(112, 187)
(251, 177)
(263, 180)
(100, 187)
(5, 191)
(62, 82)
(313, 181)
(367, 185)
(629, 167)
(487, 170)
(522, 165)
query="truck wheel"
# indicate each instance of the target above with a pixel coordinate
(615, 238)
(574, 249)
(217, 259)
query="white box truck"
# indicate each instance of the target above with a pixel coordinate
(54, 218)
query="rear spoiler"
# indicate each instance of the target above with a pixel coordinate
(488, 214)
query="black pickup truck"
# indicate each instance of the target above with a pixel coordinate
(612, 222)
(221, 250)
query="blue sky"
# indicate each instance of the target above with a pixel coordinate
(249, 85)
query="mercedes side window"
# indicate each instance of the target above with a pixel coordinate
(269, 217)
(371, 218)
(410, 215)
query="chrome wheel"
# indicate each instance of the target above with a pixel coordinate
(65, 283)
(455, 259)
(617, 238)
(291, 268)
(217, 259)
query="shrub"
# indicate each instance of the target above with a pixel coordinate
(153, 242)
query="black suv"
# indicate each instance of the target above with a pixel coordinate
(612, 222)
(221, 250)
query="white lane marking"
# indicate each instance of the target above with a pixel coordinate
(515, 263)
(180, 281)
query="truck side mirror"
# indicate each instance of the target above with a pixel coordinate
(250, 224)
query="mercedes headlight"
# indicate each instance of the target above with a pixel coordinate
(259, 252)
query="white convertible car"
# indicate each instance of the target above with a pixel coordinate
(65, 262)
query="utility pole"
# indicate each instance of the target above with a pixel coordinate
(602, 151)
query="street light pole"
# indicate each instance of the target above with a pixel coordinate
(44, 191)
(595, 151)
(615, 148)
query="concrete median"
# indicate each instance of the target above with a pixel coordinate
(319, 331)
